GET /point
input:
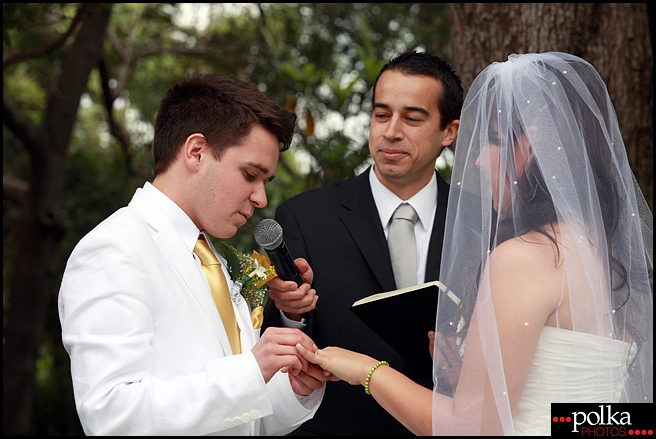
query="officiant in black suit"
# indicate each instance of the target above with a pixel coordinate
(341, 230)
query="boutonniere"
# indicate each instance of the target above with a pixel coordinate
(249, 274)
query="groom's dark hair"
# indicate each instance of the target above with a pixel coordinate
(221, 108)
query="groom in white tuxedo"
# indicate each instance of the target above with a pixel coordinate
(150, 351)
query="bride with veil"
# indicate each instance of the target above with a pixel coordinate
(549, 247)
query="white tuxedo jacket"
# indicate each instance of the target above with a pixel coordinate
(149, 353)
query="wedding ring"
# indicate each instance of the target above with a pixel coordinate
(445, 367)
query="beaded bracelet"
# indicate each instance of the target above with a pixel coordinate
(366, 382)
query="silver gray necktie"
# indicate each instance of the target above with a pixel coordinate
(402, 246)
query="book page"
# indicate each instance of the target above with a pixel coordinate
(387, 294)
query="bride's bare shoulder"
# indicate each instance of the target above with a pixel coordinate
(532, 247)
(530, 259)
(527, 267)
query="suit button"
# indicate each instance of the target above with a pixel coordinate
(245, 418)
(236, 421)
(255, 414)
(227, 423)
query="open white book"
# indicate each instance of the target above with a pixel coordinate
(386, 294)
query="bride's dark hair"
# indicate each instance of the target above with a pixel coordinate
(535, 210)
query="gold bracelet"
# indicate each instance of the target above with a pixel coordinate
(366, 382)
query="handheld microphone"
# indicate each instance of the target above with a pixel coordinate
(268, 235)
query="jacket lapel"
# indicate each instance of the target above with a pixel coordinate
(362, 221)
(247, 334)
(437, 234)
(174, 249)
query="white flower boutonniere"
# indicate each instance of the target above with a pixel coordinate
(249, 274)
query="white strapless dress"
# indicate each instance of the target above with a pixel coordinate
(566, 368)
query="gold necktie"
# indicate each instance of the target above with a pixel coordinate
(220, 292)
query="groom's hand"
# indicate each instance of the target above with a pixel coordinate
(276, 349)
(307, 381)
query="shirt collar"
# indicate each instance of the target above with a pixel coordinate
(181, 221)
(424, 202)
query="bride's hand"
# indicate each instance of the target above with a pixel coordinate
(343, 364)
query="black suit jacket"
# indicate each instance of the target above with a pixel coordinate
(337, 229)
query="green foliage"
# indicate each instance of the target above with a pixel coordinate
(318, 59)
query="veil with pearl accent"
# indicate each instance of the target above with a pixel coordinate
(549, 246)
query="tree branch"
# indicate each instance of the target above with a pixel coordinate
(37, 52)
(18, 123)
(117, 129)
(127, 62)
(15, 189)
(83, 56)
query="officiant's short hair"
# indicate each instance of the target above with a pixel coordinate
(415, 63)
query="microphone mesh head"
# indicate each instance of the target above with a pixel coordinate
(268, 234)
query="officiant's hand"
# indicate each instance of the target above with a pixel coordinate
(292, 299)
(448, 356)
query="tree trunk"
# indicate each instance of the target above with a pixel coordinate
(614, 37)
(33, 281)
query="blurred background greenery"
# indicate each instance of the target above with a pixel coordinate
(317, 59)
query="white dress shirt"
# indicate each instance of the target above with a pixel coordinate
(425, 204)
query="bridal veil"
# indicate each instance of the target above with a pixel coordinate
(540, 154)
